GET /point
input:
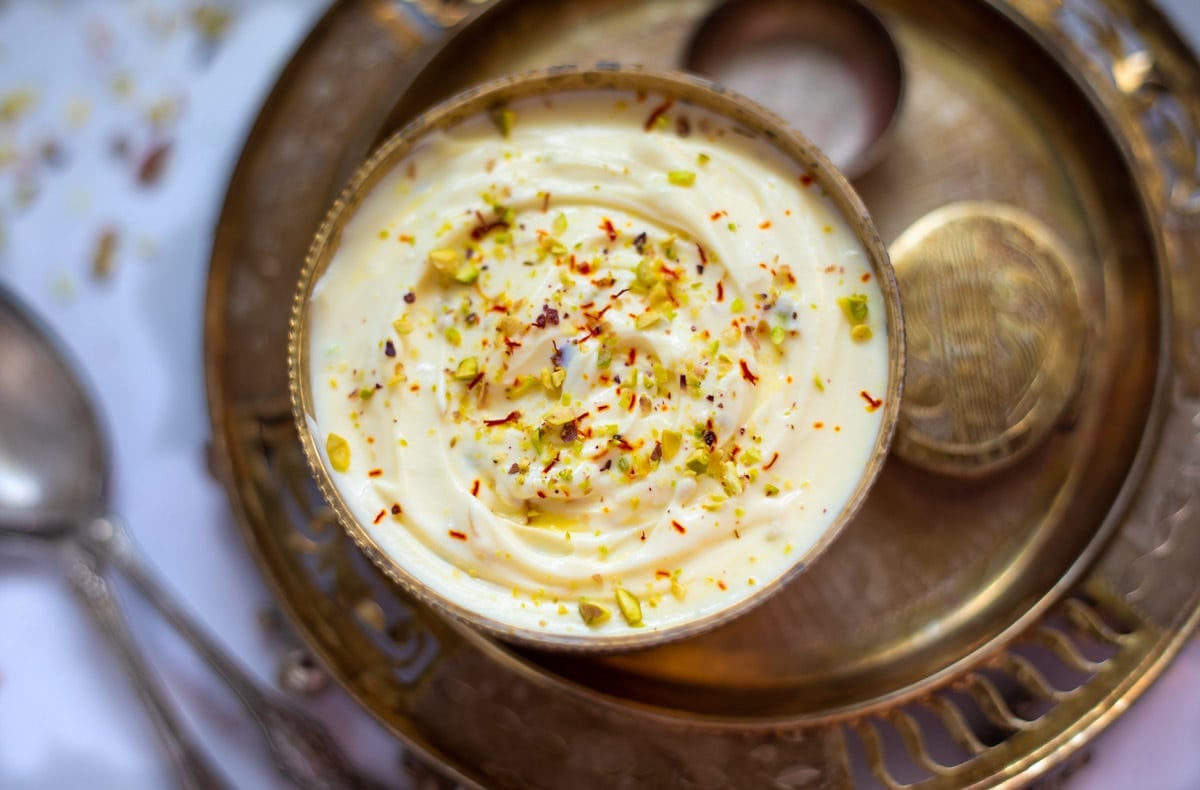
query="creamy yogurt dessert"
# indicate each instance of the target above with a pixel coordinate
(596, 363)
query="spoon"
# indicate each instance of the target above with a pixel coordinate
(53, 485)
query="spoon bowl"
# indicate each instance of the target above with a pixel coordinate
(53, 458)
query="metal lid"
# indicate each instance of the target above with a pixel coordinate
(995, 336)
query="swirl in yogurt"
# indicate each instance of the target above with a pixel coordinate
(597, 362)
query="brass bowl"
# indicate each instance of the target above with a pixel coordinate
(563, 79)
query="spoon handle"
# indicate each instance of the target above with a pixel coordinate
(302, 749)
(192, 768)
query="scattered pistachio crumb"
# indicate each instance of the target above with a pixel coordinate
(648, 319)
(681, 178)
(466, 274)
(630, 606)
(467, 369)
(856, 311)
(671, 440)
(338, 450)
(593, 614)
(698, 461)
(503, 118)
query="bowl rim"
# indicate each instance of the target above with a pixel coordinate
(682, 87)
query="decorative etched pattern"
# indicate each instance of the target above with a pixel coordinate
(397, 630)
(1116, 50)
(936, 741)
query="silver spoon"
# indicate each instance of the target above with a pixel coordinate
(53, 484)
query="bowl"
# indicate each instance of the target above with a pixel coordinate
(595, 357)
(842, 54)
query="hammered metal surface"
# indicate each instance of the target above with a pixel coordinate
(994, 333)
(1051, 679)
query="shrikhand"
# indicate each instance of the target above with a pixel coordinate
(596, 363)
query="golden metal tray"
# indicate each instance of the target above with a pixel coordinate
(962, 631)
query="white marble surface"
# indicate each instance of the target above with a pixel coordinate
(100, 72)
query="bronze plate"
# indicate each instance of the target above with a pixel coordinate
(961, 631)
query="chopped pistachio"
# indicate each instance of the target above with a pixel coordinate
(752, 455)
(365, 393)
(630, 606)
(552, 379)
(444, 260)
(645, 276)
(559, 416)
(703, 158)
(698, 461)
(678, 588)
(820, 385)
(466, 274)
(338, 450)
(402, 326)
(661, 376)
(522, 385)
(509, 326)
(593, 614)
(467, 369)
(659, 294)
(681, 178)
(778, 335)
(453, 336)
(729, 479)
(671, 440)
(560, 224)
(641, 465)
(503, 118)
(854, 307)
(737, 305)
(771, 490)
(648, 319)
